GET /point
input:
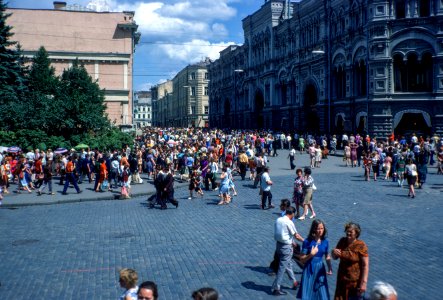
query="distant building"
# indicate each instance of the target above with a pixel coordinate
(104, 42)
(142, 109)
(334, 66)
(183, 102)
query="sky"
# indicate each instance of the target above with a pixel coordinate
(174, 33)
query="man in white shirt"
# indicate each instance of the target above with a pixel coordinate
(284, 232)
(265, 185)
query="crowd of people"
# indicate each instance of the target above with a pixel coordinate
(208, 160)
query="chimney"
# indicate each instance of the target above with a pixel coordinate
(59, 5)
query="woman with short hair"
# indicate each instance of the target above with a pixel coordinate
(353, 270)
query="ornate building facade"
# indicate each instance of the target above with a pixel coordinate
(184, 102)
(334, 66)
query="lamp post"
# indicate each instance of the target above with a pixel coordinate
(236, 71)
(187, 104)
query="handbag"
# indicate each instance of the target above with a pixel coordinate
(104, 186)
(314, 188)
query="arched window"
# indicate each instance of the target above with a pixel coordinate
(400, 9)
(400, 84)
(413, 75)
(427, 72)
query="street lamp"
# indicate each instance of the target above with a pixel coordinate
(236, 71)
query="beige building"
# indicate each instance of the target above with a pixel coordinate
(186, 103)
(103, 41)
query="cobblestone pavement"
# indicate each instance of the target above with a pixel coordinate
(74, 250)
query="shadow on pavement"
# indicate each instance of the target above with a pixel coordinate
(250, 285)
(259, 269)
(252, 206)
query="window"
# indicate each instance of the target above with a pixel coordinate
(149, 116)
(206, 110)
(400, 9)
(206, 91)
(192, 76)
(144, 116)
(193, 91)
(206, 75)
(193, 110)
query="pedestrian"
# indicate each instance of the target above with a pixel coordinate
(147, 291)
(128, 281)
(224, 187)
(265, 189)
(168, 189)
(314, 283)
(284, 232)
(318, 156)
(297, 196)
(291, 157)
(308, 189)
(205, 294)
(353, 270)
(411, 175)
(242, 164)
(70, 177)
(311, 151)
(47, 181)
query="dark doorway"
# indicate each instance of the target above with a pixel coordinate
(259, 105)
(361, 125)
(312, 121)
(412, 123)
(227, 114)
(340, 128)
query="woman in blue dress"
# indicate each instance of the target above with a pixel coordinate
(314, 284)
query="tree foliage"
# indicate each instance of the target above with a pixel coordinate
(39, 109)
(12, 79)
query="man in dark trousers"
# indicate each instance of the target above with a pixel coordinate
(168, 190)
(70, 177)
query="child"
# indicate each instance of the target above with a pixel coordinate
(126, 186)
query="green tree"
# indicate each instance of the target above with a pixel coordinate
(42, 105)
(12, 82)
(83, 103)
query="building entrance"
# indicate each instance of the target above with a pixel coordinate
(258, 109)
(312, 121)
(413, 122)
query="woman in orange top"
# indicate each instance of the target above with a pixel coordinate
(103, 173)
(352, 275)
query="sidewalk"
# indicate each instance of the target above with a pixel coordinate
(13, 199)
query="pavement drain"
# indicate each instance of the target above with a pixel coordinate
(24, 242)
(122, 235)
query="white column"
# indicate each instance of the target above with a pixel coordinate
(125, 76)
(125, 112)
(96, 70)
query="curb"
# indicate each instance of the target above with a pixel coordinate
(110, 197)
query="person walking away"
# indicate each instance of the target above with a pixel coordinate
(291, 157)
(318, 156)
(265, 185)
(260, 164)
(308, 189)
(314, 283)
(284, 232)
(243, 163)
(70, 178)
(47, 181)
(411, 175)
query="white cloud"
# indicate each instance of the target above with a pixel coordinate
(194, 51)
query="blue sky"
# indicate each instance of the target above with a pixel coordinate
(175, 33)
